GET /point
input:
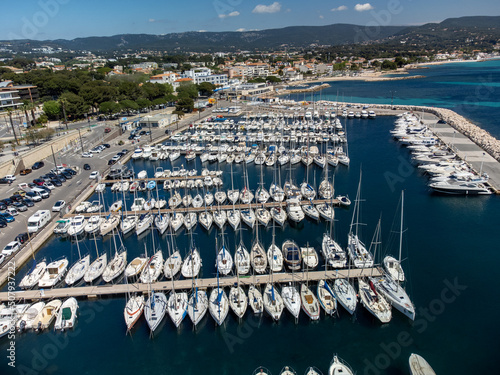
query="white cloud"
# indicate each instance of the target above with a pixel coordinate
(152, 20)
(321, 16)
(232, 14)
(273, 8)
(339, 8)
(241, 30)
(363, 7)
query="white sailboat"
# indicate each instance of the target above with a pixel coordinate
(273, 302)
(291, 299)
(391, 265)
(192, 263)
(133, 310)
(153, 268)
(255, 300)
(339, 367)
(274, 255)
(309, 302)
(117, 265)
(345, 294)
(155, 309)
(258, 258)
(224, 261)
(197, 305)
(373, 301)
(357, 251)
(218, 302)
(238, 300)
(419, 366)
(326, 297)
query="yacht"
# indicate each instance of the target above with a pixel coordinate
(77, 225)
(54, 273)
(133, 310)
(173, 265)
(374, 302)
(273, 302)
(291, 255)
(255, 300)
(345, 294)
(419, 366)
(67, 314)
(218, 305)
(177, 307)
(291, 299)
(153, 268)
(339, 367)
(326, 297)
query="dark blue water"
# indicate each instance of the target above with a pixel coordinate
(470, 89)
(449, 241)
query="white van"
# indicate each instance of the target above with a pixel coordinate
(38, 220)
(41, 192)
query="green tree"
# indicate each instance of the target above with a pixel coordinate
(389, 65)
(109, 107)
(184, 105)
(144, 103)
(52, 109)
(273, 79)
(74, 105)
(187, 90)
(128, 104)
(206, 88)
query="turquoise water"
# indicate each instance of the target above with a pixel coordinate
(471, 89)
(449, 240)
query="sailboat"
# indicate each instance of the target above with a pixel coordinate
(373, 301)
(173, 263)
(391, 265)
(177, 306)
(242, 257)
(326, 297)
(419, 366)
(197, 305)
(153, 268)
(218, 302)
(133, 310)
(97, 267)
(34, 274)
(261, 195)
(273, 302)
(238, 300)
(135, 267)
(224, 261)
(291, 299)
(117, 265)
(345, 294)
(274, 255)
(309, 301)
(192, 264)
(360, 256)
(339, 367)
(258, 257)
(255, 299)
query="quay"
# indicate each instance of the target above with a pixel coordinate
(120, 289)
(214, 207)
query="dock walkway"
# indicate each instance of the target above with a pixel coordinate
(118, 289)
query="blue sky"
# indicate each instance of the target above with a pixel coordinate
(68, 19)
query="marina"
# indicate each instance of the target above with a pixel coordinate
(202, 284)
(370, 144)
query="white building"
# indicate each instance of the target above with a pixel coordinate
(166, 77)
(9, 99)
(200, 75)
(157, 121)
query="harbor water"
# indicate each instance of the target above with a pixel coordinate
(450, 251)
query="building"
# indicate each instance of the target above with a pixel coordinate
(166, 77)
(249, 90)
(9, 99)
(26, 93)
(200, 75)
(157, 121)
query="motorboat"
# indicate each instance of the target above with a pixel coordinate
(291, 255)
(67, 314)
(54, 273)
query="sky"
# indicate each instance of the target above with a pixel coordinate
(69, 19)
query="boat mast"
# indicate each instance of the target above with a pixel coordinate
(401, 228)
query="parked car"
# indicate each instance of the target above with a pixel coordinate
(20, 206)
(3, 180)
(49, 185)
(38, 181)
(56, 182)
(11, 211)
(16, 198)
(24, 172)
(38, 165)
(94, 175)
(107, 130)
(7, 201)
(71, 171)
(107, 145)
(68, 175)
(111, 162)
(58, 206)
(87, 155)
(10, 177)
(86, 167)
(28, 202)
(11, 248)
(34, 196)
(61, 178)
(3, 223)
(22, 238)
(8, 217)
(3, 206)
(124, 151)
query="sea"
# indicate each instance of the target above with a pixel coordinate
(450, 253)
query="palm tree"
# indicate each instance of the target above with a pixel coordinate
(9, 112)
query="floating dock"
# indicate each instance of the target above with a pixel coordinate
(187, 284)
